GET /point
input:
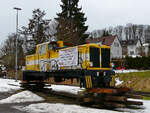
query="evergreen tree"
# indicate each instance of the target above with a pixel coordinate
(71, 23)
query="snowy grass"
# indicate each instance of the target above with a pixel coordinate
(118, 82)
(25, 96)
(9, 85)
(139, 73)
(129, 71)
(138, 81)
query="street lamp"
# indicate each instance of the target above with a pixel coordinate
(17, 9)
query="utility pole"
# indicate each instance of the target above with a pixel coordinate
(17, 9)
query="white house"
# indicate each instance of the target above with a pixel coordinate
(112, 41)
(132, 48)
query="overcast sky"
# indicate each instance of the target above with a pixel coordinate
(100, 13)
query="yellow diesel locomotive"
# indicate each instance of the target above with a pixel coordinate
(89, 62)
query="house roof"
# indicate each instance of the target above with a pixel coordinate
(108, 40)
(129, 42)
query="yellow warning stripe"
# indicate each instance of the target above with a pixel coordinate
(88, 81)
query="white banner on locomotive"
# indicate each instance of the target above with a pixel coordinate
(68, 57)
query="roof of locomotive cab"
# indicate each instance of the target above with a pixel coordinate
(96, 45)
(90, 44)
(42, 43)
(87, 45)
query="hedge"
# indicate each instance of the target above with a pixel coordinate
(137, 63)
(141, 63)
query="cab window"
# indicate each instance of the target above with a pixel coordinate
(43, 49)
(52, 46)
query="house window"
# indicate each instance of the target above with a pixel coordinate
(131, 52)
(116, 44)
(131, 47)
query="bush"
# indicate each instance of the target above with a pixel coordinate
(137, 63)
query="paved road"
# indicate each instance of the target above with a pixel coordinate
(8, 108)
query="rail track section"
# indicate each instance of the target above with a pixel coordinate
(100, 98)
(145, 94)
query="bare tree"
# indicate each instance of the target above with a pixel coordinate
(8, 50)
(35, 32)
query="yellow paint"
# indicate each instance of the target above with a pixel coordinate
(112, 83)
(60, 44)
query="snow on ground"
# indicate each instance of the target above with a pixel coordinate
(143, 109)
(146, 106)
(118, 82)
(60, 108)
(68, 89)
(129, 71)
(9, 85)
(74, 90)
(25, 96)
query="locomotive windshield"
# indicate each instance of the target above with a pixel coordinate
(105, 57)
(52, 45)
(95, 56)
